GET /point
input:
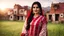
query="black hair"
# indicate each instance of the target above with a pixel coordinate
(31, 14)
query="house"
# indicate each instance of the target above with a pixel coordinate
(4, 14)
(56, 13)
(18, 13)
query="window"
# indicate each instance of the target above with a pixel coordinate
(20, 11)
(56, 6)
(14, 12)
(61, 15)
(11, 16)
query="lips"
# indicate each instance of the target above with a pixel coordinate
(35, 10)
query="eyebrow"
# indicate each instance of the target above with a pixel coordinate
(36, 7)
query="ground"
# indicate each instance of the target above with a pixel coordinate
(14, 28)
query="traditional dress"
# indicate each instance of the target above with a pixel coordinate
(38, 27)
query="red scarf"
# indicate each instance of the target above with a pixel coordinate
(35, 26)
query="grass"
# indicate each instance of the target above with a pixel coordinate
(14, 28)
(55, 29)
(10, 28)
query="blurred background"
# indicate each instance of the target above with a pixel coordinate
(14, 12)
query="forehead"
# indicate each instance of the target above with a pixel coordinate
(35, 5)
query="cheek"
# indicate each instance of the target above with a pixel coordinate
(33, 9)
(38, 9)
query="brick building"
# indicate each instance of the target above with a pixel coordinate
(56, 13)
(18, 13)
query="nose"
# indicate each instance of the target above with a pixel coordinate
(35, 8)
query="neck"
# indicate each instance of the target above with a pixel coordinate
(36, 15)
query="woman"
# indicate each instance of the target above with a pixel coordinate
(35, 24)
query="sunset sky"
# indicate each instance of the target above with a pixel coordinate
(10, 3)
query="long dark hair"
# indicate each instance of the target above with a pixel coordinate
(29, 19)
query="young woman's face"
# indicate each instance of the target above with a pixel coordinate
(36, 9)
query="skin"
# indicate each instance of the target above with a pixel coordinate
(36, 10)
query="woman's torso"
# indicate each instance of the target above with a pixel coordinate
(35, 26)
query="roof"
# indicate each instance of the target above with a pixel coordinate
(59, 10)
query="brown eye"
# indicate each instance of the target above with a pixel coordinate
(37, 7)
(33, 7)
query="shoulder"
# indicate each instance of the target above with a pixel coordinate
(44, 19)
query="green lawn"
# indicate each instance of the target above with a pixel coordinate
(55, 29)
(14, 28)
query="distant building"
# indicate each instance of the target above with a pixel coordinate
(56, 13)
(4, 14)
(18, 13)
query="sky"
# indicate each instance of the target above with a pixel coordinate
(10, 3)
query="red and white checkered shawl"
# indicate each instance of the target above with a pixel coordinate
(37, 27)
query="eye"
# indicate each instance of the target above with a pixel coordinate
(37, 7)
(33, 7)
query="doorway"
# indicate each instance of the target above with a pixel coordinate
(56, 17)
(50, 17)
